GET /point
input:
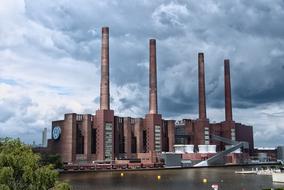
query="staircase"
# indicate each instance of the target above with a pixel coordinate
(235, 146)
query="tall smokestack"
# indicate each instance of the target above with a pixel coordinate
(228, 98)
(104, 94)
(201, 86)
(153, 104)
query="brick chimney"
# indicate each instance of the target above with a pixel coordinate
(153, 103)
(104, 89)
(201, 87)
(228, 98)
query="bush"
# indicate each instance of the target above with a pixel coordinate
(62, 186)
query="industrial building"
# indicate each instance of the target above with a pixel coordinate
(104, 136)
(44, 138)
(280, 153)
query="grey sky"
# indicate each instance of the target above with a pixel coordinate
(50, 60)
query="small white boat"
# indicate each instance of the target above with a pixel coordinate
(246, 171)
(268, 171)
(278, 177)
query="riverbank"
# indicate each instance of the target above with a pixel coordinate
(82, 169)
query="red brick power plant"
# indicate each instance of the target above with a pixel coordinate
(107, 137)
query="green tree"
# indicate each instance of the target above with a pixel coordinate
(20, 169)
(55, 160)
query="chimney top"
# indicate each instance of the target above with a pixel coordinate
(105, 29)
(153, 41)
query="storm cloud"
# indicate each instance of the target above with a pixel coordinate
(50, 60)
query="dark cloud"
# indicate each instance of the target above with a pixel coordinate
(177, 106)
(263, 84)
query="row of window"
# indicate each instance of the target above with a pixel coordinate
(157, 135)
(120, 120)
(79, 117)
(233, 134)
(108, 141)
(206, 136)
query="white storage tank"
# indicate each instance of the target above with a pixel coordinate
(211, 148)
(203, 148)
(189, 148)
(179, 148)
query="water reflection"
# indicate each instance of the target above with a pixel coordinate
(170, 179)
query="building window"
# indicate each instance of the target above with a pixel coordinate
(180, 130)
(93, 141)
(108, 141)
(133, 145)
(79, 139)
(144, 140)
(206, 135)
(157, 138)
(121, 144)
(79, 117)
(233, 134)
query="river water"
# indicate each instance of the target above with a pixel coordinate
(174, 179)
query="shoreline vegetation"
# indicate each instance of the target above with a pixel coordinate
(22, 169)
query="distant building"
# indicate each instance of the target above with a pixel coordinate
(265, 154)
(34, 144)
(105, 136)
(280, 153)
(44, 137)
